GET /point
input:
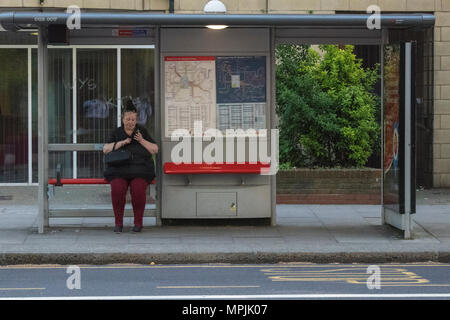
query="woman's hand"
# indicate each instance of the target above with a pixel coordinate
(138, 137)
(151, 147)
(124, 142)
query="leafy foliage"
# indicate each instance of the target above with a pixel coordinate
(325, 106)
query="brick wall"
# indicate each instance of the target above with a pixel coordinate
(441, 154)
(329, 186)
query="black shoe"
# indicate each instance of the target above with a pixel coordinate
(118, 229)
(137, 229)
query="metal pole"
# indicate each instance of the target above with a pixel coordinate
(74, 111)
(384, 41)
(158, 119)
(119, 87)
(30, 125)
(407, 133)
(43, 220)
(272, 104)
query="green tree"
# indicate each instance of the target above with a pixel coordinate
(301, 106)
(325, 106)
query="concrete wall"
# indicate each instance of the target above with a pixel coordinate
(441, 9)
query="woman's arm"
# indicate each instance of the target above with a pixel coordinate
(150, 147)
(108, 147)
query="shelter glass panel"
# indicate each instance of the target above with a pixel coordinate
(60, 109)
(13, 115)
(97, 105)
(137, 82)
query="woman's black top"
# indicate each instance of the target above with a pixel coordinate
(141, 163)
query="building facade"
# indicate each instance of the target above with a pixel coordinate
(113, 68)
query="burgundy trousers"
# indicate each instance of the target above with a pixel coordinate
(119, 188)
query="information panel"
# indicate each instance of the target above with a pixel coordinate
(190, 93)
(241, 79)
(241, 92)
(222, 92)
(241, 116)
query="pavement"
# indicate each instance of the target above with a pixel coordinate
(303, 233)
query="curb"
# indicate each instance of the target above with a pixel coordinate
(232, 258)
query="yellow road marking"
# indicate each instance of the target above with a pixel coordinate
(390, 277)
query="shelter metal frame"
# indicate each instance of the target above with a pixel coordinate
(284, 29)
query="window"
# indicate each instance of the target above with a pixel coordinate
(13, 115)
(96, 105)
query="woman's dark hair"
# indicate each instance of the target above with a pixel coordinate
(129, 106)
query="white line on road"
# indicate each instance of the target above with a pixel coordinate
(204, 287)
(15, 289)
(251, 296)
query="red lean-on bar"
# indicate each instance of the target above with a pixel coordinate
(204, 168)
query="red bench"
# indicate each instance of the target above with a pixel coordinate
(62, 182)
(214, 168)
(94, 210)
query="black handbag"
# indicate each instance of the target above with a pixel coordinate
(117, 157)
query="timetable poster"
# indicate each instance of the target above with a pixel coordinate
(241, 92)
(190, 92)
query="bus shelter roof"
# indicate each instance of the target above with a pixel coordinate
(16, 20)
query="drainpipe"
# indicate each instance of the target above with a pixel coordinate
(171, 6)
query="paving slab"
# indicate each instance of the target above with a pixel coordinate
(303, 233)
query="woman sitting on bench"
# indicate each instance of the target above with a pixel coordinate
(138, 172)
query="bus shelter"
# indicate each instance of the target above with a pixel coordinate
(215, 120)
